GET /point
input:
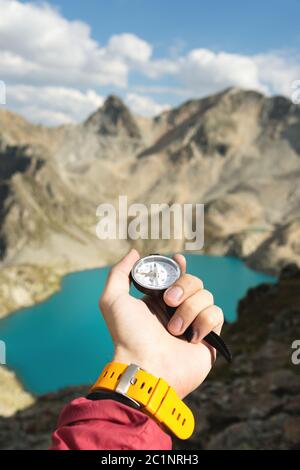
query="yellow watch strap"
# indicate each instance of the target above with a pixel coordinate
(154, 395)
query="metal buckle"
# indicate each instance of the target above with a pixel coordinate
(126, 380)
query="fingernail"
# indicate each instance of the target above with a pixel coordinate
(174, 293)
(175, 325)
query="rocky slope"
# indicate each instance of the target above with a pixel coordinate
(237, 151)
(13, 397)
(253, 404)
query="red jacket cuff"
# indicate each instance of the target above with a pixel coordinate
(107, 425)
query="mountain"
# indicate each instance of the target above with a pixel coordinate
(237, 151)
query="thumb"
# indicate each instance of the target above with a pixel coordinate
(118, 280)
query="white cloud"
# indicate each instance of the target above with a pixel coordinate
(157, 68)
(277, 71)
(38, 45)
(159, 90)
(52, 105)
(45, 59)
(129, 46)
(204, 71)
(144, 105)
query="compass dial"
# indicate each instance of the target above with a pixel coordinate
(155, 272)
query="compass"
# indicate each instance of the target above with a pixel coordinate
(154, 274)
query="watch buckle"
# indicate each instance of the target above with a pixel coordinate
(128, 378)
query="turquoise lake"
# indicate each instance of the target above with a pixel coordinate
(64, 341)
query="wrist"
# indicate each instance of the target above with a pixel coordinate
(126, 357)
(153, 367)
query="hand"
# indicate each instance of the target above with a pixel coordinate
(142, 335)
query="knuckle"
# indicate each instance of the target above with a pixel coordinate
(210, 320)
(103, 302)
(192, 281)
(219, 314)
(209, 296)
(188, 308)
(215, 316)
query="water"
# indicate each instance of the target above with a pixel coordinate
(64, 341)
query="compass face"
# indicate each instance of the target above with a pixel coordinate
(155, 272)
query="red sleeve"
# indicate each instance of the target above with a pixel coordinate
(107, 425)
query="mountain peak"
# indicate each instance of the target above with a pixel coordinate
(114, 118)
(113, 102)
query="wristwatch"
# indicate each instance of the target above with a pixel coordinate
(150, 394)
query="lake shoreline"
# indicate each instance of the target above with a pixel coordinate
(57, 275)
(44, 294)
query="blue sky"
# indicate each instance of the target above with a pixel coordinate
(60, 59)
(231, 25)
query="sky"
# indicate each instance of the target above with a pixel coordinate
(60, 59)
